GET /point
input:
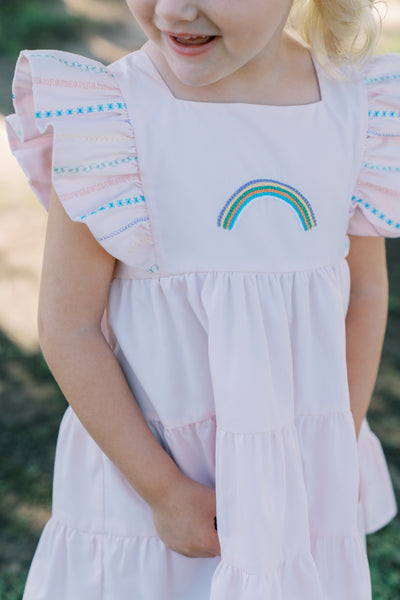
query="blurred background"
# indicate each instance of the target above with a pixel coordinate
(30, 403)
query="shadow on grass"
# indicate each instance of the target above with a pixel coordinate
(384, 418)
(31, 410)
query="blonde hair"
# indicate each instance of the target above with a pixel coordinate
(337, 30)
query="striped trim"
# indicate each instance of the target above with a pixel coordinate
(92, 138)
(383, 168)
(85, 68)
(391, 114)
(80, 110)
(376, 212)
(117, 204)
(122, 229)
(95, 166)
(391, 77)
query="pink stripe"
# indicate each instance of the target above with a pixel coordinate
(102, 185)
(72, 83)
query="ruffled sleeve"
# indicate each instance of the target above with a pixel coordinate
(71, 129)
(375, 206)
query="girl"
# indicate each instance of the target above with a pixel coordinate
(194, 299)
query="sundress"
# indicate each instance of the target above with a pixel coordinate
(229, 223)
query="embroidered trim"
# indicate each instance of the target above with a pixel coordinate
(384, 113)
(86, 68)
(93, 166)
(391, 77)
(98, 187)
(376, 212)
(117, 204)
(80, 110)
(384, 168)
(140, 242)
(73, 83)
(266, 187)
(122, 229)
(92, 138)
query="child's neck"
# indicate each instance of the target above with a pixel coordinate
(290, 80)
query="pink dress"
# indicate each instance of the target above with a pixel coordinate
(227, 313)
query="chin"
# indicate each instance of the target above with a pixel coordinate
(199, 80)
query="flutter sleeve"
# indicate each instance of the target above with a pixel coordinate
(71, 129)
(375, 205)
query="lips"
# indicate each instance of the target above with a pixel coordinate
(189, 44)
(194, 40)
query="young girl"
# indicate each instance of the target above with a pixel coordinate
(195, 304)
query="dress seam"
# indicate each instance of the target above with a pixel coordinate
(149, 209)
(277, 567)
(316, 535)
(289, 558)
(211, 417)
(309, 270)
(286, 425)
(101, 533)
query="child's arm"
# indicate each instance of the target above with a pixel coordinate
(366, 320)
(76, 277)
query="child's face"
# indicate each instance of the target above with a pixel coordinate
(240, 36)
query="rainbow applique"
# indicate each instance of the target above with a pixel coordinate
(266, 187)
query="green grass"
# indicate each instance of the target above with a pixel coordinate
(27, 24)
(32, 407)
(384, 418)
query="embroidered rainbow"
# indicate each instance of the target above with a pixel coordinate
(266, 187)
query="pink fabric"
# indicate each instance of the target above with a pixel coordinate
(232, 339)
(377, 195)
(91, 160)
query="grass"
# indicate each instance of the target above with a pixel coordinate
(384, 418)
(32, 407)
(32, 24)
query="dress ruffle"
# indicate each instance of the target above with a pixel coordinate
(377, 500)
(286, 463)
(72, 129)
(375, 206)
(91, 566)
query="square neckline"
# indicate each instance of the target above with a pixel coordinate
(272, 107)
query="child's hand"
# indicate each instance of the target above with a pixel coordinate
(184, 519)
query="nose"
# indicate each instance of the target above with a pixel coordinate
(174, 11)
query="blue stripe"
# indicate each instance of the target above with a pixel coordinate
(391, 77)
(122, 229)
(376, 212)
(80, 110)
(94, 166)
(117, 204)
(86, 68)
